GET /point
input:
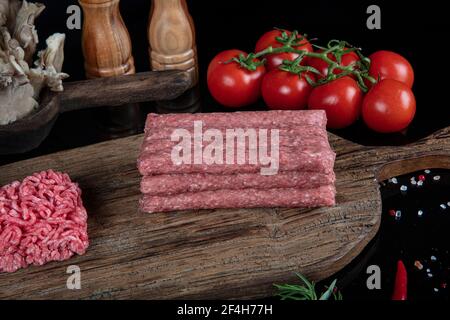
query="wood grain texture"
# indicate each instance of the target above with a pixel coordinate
(106, 42)
(124, 90)
(171, 36)
(214, 253)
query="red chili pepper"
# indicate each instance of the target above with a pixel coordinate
(401, 282)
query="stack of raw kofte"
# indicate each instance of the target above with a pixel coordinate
(192, 161)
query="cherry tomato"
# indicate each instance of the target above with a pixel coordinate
(341, 99)
(390, 65)
(275, 60)
(389, 106)
(321, 66)
(283, 90)
(231, 84)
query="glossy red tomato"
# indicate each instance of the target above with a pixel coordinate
(341, 99)
(390, 65)
(389, 106)
(231, 84)
(283, 90)
(322, 66)
(275, 60)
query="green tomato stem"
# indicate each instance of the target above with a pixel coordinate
(291, 43)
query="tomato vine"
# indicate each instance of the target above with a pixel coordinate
(292, 43)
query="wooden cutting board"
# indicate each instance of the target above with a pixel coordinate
(215, 253)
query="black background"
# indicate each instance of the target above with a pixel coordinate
(417, 30)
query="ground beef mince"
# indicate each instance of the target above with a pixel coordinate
(305, 175)
(42, 219)
(173, 184)
(246, 198)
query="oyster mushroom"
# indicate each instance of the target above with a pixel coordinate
(20, 82)
(24, 30)
(8, 12)
(49, 65)
(16, 102)
(13, 58)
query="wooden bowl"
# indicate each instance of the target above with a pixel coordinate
(28, 133)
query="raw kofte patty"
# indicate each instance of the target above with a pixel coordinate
(246, 198)
(305, 176)
(173, 184)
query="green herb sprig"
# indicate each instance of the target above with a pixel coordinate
(307, 291)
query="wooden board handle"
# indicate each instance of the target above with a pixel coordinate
(121, 90)
(430, 152)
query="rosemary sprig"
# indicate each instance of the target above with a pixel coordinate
(307, 291)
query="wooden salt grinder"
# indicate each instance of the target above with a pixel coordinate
(106, 42)
(171, 35)
(107, 53)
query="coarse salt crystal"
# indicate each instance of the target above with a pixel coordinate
(418, 265)
(437, 178)
(420, 213)
(433, 258)
(403, 188)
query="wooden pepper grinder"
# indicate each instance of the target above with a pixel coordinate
(171, 37)
(106, 42)
(107, 53)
